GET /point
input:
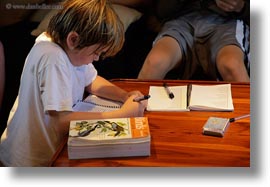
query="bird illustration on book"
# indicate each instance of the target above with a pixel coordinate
(117, 128)
(84, 128)
(111, 137)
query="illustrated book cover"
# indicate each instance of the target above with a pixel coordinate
(116, 137)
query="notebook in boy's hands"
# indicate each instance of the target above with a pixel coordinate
(118, 137)
(191, 97)
(94, 103)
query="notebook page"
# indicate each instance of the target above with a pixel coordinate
(160, 101)
(93, 103)
(211, 97)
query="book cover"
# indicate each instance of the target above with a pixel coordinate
(117, 137)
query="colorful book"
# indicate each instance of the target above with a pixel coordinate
(117, 137)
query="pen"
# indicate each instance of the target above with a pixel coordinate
(171, 96)
(240, 117)
(138, 99)
(189, 89)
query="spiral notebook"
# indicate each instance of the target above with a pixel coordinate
(93, 103)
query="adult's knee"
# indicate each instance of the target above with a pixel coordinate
(155, 66)
(230, 58)
(230, 64)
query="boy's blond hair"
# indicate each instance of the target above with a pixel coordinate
(95, 22)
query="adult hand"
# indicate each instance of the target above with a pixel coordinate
(231, 5)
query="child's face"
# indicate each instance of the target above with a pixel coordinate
(85, 55)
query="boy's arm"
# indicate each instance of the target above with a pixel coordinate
(106, 89)
(103, 88)
(129, 109)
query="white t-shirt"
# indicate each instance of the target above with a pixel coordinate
(49, 82)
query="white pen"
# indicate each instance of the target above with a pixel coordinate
(170, 94)
(240, 117)
(138, 99)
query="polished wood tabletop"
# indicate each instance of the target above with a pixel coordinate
(176, 137)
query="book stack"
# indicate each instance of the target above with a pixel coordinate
(118, 137)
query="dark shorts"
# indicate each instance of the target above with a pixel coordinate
(201, 35)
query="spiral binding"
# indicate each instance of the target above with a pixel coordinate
(102, 102)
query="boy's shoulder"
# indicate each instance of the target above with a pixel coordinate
(46, 45)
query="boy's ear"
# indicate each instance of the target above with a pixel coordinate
(72, 40)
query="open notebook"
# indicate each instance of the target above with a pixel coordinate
(191, 97)
(94, 103)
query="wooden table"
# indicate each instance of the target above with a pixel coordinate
(177, 139)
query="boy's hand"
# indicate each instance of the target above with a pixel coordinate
(133, 109)
(136, 93)
(231, 5)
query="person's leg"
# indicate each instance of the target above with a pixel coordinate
(230, 64)
(164, 56)
(2, 73)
